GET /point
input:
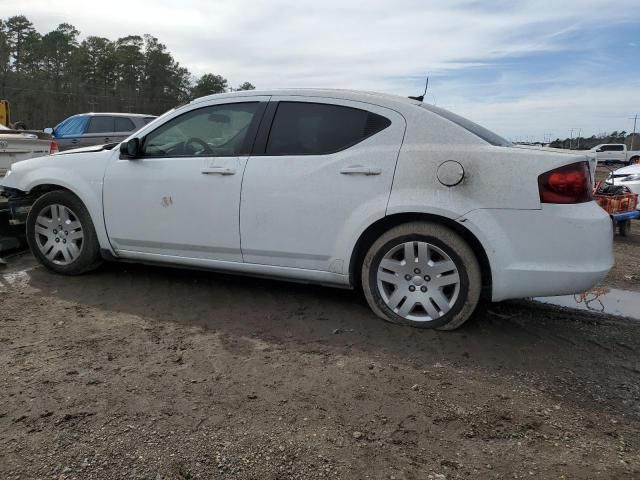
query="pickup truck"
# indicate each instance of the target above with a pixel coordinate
(16, 145)
(616, 153)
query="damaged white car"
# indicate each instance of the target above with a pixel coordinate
(422, 209)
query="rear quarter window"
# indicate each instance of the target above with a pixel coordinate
(478, 130)
(123, 125)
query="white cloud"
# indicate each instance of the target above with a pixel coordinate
(592, 109)
(374, 45)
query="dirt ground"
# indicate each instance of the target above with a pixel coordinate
(147, 373)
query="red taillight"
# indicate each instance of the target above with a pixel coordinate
(568, 184)
(53, 148)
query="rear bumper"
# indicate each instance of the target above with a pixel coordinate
(557, 250)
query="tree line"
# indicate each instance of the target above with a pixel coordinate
(47, 77)
(586, 143)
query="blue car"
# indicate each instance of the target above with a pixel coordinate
(87, 129)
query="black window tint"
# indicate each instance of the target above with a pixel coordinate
(301, 128)
(617, 148)
(123, 125)
(101, 125)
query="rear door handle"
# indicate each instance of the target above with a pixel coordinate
(361, 170)
(218, 171)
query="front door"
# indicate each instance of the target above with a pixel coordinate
(325, 166)
(182, 197)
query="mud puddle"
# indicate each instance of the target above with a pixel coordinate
(612, 301)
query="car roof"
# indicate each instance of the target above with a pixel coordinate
(116, 114)
(376, 98)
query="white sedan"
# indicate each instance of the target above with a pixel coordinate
(424, 210)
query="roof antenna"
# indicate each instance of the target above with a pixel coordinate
(421, 97)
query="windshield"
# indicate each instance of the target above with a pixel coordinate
(72, 126)
(479, 131)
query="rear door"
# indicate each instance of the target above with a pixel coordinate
(101, 129)
(321, 168)
(617, 153)
(123, 127)
(611, 153)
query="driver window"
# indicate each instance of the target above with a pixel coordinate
(216, 131)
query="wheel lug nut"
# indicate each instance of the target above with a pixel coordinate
(57, 240)
(55, 231)
(423, 289)
(66, 233)
(407, 277)
(412, 288)
(64, 240)
(417, 271)
(427, 278)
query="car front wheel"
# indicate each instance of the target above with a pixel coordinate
(422, 274)
(61, 234)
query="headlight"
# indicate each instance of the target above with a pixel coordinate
(634, 177)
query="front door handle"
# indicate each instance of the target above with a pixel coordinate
(218, 171)
(361, 170)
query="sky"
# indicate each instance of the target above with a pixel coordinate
(527, 69)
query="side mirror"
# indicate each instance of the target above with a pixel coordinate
(130, 149)
(599, 150)
(48, 131)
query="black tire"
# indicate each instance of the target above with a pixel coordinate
(450, 243)
(624, 228)
(634, 160)
(89, 257)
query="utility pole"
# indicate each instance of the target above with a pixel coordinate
(570, 138)
(579, 133)
(633, 137)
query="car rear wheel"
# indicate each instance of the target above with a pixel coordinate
(61, 235)
(422, 274)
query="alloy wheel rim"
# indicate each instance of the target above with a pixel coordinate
(59, 234)
(418, 281)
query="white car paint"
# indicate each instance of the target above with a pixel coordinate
(301, 218)
(628, 177)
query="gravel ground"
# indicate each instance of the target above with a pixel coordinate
(148, 373)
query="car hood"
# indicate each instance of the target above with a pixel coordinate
(58, 169)
(627, 170)
(92, 148)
